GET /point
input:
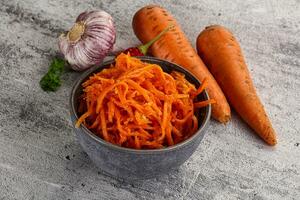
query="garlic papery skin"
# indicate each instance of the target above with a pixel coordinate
(90, 39)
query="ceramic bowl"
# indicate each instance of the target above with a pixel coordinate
(135, 164)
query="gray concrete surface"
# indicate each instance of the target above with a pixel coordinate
(41, 159)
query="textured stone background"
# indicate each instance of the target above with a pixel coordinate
(41, 159)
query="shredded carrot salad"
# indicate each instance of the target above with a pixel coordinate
(136, 105)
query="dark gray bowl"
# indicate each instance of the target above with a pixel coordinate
(134, 164)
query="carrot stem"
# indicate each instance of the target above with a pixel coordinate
(144, 48)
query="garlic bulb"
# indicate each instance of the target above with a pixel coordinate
(90, 39)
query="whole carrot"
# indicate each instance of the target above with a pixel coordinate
(222, 54)
(175, 47)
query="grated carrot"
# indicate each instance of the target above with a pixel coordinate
(136, 105)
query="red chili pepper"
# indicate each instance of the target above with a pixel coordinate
(143, 49)
(134, 51)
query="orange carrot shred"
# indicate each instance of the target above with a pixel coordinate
(202, 87)
(103, 125)
(204, 103)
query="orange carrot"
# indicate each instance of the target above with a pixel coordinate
(151, 110)
(222, 54)
(175, 47)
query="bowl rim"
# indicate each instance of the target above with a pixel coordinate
(96, 138)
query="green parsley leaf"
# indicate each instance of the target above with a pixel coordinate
(51, 81)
